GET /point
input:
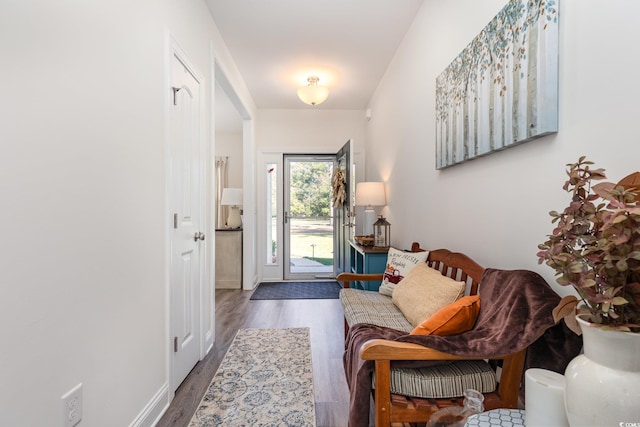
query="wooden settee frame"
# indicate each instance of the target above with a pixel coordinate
(395, 408)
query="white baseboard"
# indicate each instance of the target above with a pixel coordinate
(209, 342)
(154, 410)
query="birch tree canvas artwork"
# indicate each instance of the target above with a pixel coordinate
(502, 89)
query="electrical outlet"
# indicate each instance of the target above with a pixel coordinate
(72, 407)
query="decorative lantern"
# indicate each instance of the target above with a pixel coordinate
(382, 233)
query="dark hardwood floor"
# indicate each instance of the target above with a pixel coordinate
(234, 311)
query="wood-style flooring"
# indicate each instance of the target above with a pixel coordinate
(234, 311)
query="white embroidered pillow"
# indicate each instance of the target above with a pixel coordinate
(399, 264)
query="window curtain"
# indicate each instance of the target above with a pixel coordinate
(221, 183)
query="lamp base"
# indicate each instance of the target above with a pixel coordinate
(234, 220)
(369, 219)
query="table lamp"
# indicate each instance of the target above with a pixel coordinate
(369, 194)
(232, 197)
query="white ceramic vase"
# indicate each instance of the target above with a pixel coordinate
(603, 384)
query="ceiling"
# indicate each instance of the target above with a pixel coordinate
(277, 44)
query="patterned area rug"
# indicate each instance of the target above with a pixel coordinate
(265, 379)
(297, 290)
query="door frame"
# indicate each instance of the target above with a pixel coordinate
(274, 272)
(174, 49)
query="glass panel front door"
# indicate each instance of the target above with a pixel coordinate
(309, 217)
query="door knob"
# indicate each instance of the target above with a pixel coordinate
(198, 236)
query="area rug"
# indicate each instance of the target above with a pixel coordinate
(265, 379)
(297, 290)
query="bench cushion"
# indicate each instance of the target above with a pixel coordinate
(374, 308)
(443, 381)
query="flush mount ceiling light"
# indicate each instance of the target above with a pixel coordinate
(313, 94)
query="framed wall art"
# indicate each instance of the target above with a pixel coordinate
(502, 89)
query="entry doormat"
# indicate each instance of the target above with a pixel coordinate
(265, 379)
(297, 290)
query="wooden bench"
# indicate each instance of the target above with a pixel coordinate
(391, 408)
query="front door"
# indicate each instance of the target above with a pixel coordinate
(308, 217)
(187, 220)
(344, 213)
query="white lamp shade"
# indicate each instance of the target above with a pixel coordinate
(231, 197)
(370, 194)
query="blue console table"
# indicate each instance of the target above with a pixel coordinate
(367, 260)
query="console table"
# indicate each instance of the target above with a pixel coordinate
(228, 258)
(367, 260)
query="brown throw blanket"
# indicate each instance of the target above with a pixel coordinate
(516, 311)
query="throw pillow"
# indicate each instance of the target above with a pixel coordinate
(399, 264)
(452, 319)
(424, 291)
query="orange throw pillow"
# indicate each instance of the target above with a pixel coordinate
(453, 319)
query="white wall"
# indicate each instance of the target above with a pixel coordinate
(82, 180)
(496, 208)
(308, 130)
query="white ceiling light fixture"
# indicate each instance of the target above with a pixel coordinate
(313, 94)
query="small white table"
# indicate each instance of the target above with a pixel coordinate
(497, 418)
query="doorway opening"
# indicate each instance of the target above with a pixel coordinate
(309, 218)
(307, 227)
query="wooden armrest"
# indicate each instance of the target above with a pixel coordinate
(393, 350)
(347, 278)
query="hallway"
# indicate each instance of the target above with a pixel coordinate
(234, 310)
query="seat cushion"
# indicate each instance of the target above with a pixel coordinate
(373, 308)
(443, 381)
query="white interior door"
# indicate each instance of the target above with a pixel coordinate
(186, 236)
